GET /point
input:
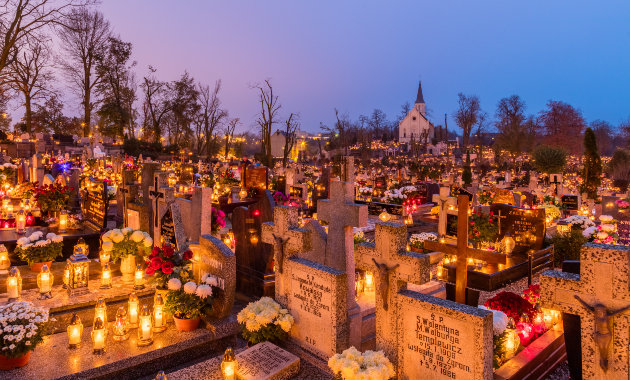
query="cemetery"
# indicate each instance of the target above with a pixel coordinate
(170, 229)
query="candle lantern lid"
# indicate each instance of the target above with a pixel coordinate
(78, 256)
(229, 355)
(14, 272)
(75, 320)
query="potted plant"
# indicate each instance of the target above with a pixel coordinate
(163, 264)
(352, 364)
(125, 245)
(416, 241)
(39, 250)
(23, 329)
(265, 320)
(188, 302)
(52, 198)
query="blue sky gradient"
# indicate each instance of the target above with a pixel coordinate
(361, 55)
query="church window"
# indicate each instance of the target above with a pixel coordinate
(414, 118)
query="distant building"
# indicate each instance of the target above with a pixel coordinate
(278, 139)
(415, 126)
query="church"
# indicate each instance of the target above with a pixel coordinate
(415, 126)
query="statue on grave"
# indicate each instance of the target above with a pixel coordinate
(280, 243)
(603, 334)
(383, 279)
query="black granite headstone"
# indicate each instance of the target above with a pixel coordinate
(526, 226)
(570, 202)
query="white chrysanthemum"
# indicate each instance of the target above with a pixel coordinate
(57, 239)
(203, 291)
(605, 218)
(587, 233)
(126, 230)
(23, 240)
(107, 245)
(190, 287)
(137, 236)
(499, 321)
(174, 284)
(602, 235)
(608, 227)
(148, 242)
(117, 237)
(50, 235)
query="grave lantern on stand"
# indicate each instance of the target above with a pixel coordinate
(20, 222)
(78, 272)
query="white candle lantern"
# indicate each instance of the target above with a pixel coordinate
(45, 282)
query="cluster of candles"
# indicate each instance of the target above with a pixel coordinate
(145, 320)
(523, 332)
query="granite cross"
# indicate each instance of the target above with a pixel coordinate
(462, 251)
(444, 202)
(600, 296)
(287, 239)
(388, 251)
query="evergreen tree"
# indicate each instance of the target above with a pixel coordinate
(591, 174)
(467, 174)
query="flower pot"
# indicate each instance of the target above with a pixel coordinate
(37, 267)
(7, 364)
(186, 324)
(128, 268)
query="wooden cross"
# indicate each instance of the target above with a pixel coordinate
(287, 239)
(462, 251)
(389, 251)
(600, 296)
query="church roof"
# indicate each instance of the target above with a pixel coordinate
(419, 98)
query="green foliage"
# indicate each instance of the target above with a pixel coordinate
(591, 174)
(500, 352)
(483, 228)
(549, 160)
(187, 306)
(619, 169)
(134, 147)
(266, 333)
(567, 246)
(35, 254)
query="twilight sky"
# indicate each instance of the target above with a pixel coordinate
(360, 55)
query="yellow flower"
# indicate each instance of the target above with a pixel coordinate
(137, 236)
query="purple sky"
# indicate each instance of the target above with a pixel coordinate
(361, 55)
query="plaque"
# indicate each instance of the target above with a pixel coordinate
(167, 229)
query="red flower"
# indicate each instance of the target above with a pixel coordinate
(167, 267)
(490, 220)
(155, 251)
(168, 250)
(187, 255)
(150, 271)
(156, 263)
(491, 212)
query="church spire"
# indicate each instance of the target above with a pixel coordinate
(419, 98)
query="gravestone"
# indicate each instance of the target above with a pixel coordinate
(445, 202)
(37, 169)
(213, 257)
(526, 226)
(609, 207)
(441, 339)
(599, 294)
(287, 239)
(394, 267)
(48, 180)
(342, 214)
(256, 177)
(503, 196)
(172, 229)
(316, 298)
(556, 181)
(623, 226)
(94, 203)
(255, 276)
(266, 361)
(571, 202)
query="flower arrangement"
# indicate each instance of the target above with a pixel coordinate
(227, 178)
(351, 364)
(416, 241)
(604, 233)
(532, 294)
(189, 300)
(163, 264)
(606, 219)
(22, 328)
(218, 220)
(53, 197)
(485, 197)
(265, 320)
(623, 204)
(552, 212)
(206, 180)
(359, 237)
(37, 248)
(513, 305)
(483, 228)
(550, 200)
(280, 198)
(394, 196)
(365, 191)
(126, 241)
(25, 190)
(579, 221)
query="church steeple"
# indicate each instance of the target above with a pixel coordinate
(419, 98)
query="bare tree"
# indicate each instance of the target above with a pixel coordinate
(209, 117)
(290, 134)
(156, 105)
(229, 134)
(30, 75)
(269, 107)
(466, 115)
(23, 19)
(84, 41)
